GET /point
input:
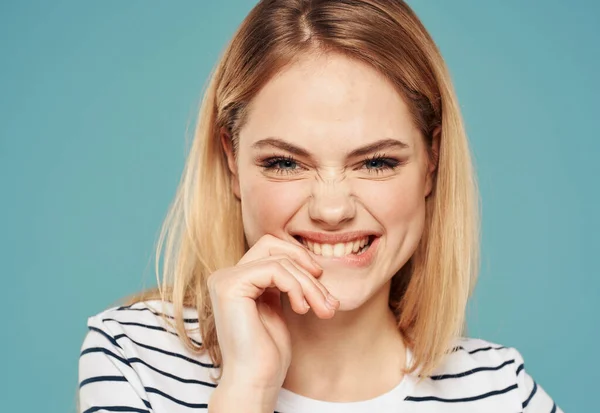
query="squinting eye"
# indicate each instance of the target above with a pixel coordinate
(285, 164)
(280, 164)
(379, 164)
(288, 165)
(375, 163)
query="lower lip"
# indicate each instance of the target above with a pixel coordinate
(363, 260)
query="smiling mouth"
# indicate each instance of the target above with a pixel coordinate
(342, 249)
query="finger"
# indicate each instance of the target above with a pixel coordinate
(319, 285)
(269, 245)
(271, 277)
(251, 281)
(319, 299)
(325, 302)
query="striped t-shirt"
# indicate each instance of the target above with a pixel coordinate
(132, 361)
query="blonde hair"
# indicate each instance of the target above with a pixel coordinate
(203, 230)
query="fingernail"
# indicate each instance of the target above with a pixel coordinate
(306, 304)
(331, 301)
(317, 265)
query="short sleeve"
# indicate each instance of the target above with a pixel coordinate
(533, 397)
(107, 382)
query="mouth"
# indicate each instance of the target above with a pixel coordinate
(355, 247)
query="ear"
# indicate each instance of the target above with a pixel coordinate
(231, 163)
(433, 160)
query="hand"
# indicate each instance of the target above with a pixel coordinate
(254, 340)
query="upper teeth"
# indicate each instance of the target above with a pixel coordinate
(336, 250)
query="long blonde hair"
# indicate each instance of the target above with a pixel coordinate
(203, 230)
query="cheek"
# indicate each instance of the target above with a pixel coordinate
(396, 203)
(267, 206)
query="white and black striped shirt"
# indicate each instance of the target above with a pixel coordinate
(132, 361)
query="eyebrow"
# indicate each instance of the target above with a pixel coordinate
(363, 150)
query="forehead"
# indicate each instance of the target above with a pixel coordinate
(328, 98)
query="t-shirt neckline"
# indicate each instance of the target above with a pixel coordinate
(289, 402)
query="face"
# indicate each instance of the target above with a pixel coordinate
(330, 159)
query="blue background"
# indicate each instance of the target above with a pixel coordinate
(96, 99)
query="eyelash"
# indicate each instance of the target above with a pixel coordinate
(270, 164)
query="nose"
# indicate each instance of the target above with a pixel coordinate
(331, 202)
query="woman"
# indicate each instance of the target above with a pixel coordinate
(324, 240)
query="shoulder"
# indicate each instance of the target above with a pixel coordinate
(483, 375)
(136, 349)
(485, 361)
(142, 317)
(147, 310)
(476, 352)
(145, 328)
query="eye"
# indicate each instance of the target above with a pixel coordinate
(380, 163)
(288, 165)
(280, 164)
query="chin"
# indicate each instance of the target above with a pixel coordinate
(356, 289)
(347, 304)
(351, 295)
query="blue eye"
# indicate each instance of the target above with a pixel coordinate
(288, 165)
(285, 164)
(379, 163)
(280, 164)
(376, 163)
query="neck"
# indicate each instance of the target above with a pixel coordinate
(356, 355)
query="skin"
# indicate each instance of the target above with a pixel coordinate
(330, 105)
